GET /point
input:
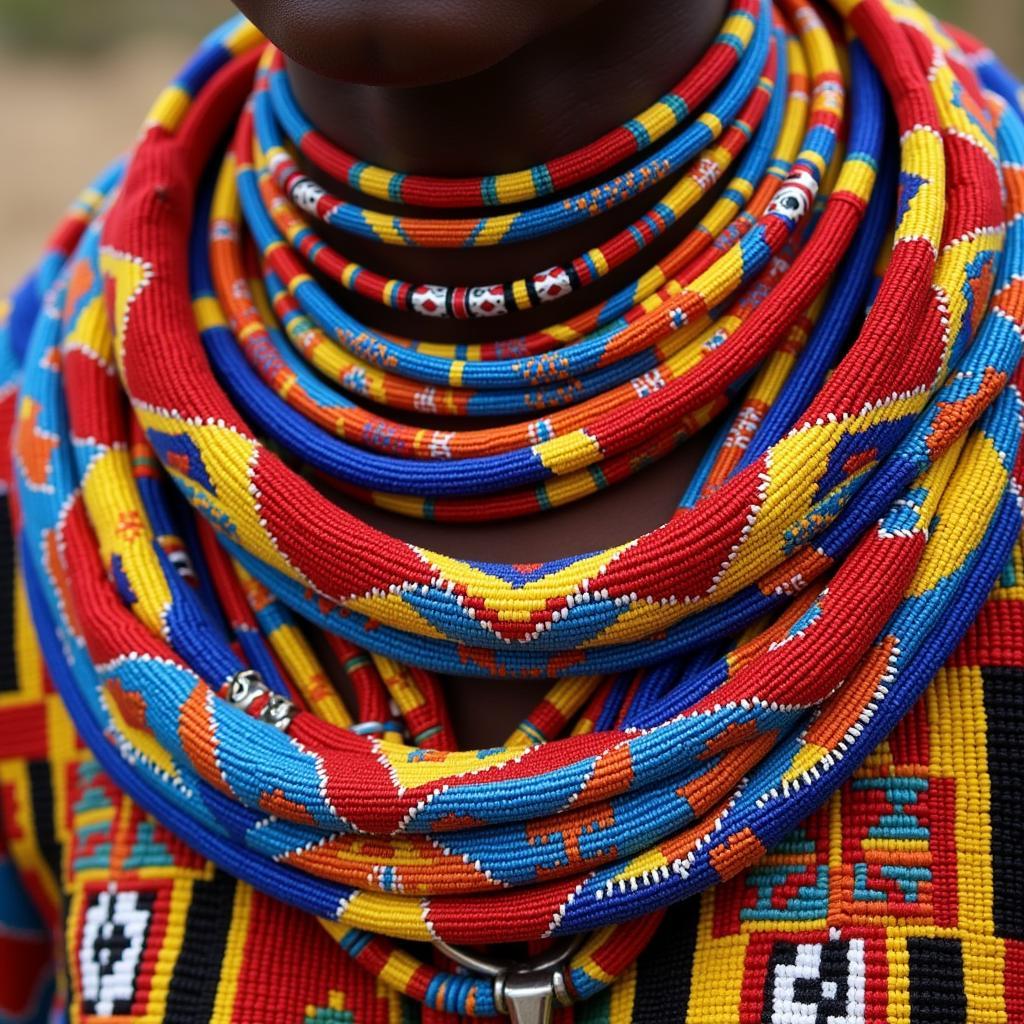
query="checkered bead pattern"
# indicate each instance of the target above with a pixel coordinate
(776, 774)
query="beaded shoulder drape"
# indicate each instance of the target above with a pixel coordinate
(777, 774)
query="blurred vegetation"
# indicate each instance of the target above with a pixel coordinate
(1000, 23)
(89, 26)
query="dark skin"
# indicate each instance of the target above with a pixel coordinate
(461, 87)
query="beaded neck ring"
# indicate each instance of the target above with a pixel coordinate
(848, 312)
(753, 35)
(281, 178)
(465, 302)
(620, 144)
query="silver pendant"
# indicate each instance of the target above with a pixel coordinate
(528, 997)
(527, 992)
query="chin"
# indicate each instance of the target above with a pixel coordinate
(403, 42)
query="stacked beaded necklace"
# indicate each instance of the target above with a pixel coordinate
(847, 314)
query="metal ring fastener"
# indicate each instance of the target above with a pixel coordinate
(246, 686)
(527, 992)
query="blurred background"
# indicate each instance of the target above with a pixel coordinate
(76, 78)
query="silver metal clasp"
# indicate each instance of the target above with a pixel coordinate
(527, 992)
(528, 997)
(247, 686)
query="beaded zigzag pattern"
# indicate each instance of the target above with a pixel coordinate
(900, 899)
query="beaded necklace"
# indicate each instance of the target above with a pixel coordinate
(623, 142)
(545, 218)
(848, 312)
(281, 181)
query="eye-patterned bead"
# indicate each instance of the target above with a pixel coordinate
(795, 197)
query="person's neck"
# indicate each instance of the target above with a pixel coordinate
(551, 96)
